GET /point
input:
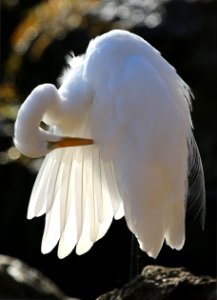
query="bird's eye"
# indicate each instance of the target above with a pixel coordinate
(44, 126)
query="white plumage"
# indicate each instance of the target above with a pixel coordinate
(136, 108)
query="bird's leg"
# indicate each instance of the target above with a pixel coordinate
(69, 142)
(134, 259)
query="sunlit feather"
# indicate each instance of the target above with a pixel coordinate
(131, 102)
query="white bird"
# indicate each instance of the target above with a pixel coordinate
(122, 95)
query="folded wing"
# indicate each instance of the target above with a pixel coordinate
(146, 131)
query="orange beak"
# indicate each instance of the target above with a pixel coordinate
(69, 142)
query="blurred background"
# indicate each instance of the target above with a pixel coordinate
(35, 38)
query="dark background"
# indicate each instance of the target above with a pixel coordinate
(35, 37)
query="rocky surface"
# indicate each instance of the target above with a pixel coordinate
(160, 283)
(19, 281)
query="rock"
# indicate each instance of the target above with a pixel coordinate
(161, 283)
(19, 281)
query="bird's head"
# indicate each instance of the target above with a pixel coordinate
(29, 138)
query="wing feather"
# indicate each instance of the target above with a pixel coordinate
(118, 203)
(67, 164)
(54, 182)
(97, 184)
(89, 221)
(54, 202)
(70, 232)
(37, 205)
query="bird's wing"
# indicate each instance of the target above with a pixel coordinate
(78, 193)
(145, 128)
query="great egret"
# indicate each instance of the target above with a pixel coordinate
(130, 110)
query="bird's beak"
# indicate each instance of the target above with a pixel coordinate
(69, 142)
